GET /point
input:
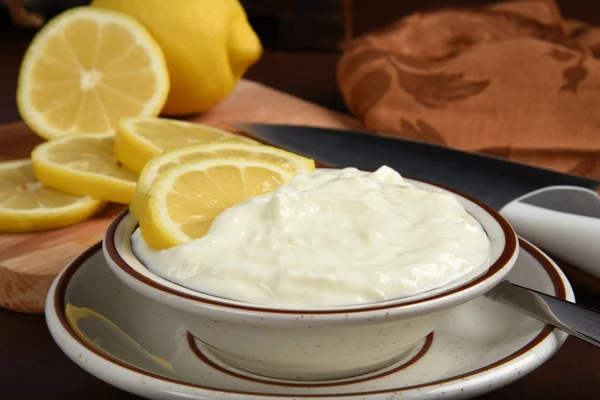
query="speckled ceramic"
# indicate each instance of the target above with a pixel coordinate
(142, 346)
(329, 343)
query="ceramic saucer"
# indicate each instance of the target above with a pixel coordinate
(137, 345)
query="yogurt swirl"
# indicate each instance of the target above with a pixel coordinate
(329, 238)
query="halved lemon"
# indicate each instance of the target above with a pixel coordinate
(140, 139)
(199, 152)
(26, 205)
(184, 200)
(84, 165)
(87, 69)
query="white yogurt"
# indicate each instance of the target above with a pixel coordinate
(329, 238)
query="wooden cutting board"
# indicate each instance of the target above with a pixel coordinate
(29, 262)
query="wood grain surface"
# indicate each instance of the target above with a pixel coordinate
(29, 262)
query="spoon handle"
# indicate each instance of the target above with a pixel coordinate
(574, 319)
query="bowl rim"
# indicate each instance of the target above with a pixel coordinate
(509, 252)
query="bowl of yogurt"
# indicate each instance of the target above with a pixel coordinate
(336, 274)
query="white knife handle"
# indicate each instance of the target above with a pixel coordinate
(573, 238)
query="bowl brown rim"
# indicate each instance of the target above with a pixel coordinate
(510, 248)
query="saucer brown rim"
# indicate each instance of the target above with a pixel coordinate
(394, 368)
(560, 291)
(510, 248)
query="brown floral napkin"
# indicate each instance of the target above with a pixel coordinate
(503, 80)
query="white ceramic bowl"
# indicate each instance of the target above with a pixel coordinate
(319, 344)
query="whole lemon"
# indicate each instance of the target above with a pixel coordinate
(208, 45)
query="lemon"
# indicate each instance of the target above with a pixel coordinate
(139, 139)
(198, 152)
(208, 45)
(27, 205)
(184, 200)
(84, 165)
(87, 69)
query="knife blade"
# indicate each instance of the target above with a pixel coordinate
(576, 320)
(492, 180)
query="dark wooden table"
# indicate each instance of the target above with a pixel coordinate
(33, 367)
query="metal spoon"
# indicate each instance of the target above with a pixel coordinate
(576, 320)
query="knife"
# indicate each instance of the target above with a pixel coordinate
(557, 211)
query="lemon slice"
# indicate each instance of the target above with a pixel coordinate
(26, 205)
(199, 152)
(140, 139)
(184, 200)
(87, 69)
(84, 165)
